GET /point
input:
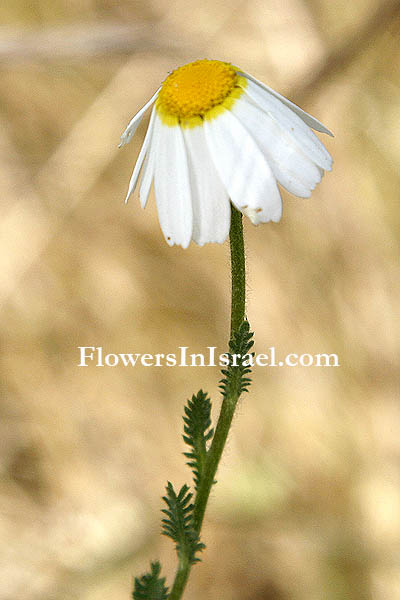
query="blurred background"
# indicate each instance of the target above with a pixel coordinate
(307, 504)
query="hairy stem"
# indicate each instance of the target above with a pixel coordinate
(181, 578)
(238, 269)
(229, 402)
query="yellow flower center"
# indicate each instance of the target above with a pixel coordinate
(197, 91)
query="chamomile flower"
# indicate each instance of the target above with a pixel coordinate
(217, 135)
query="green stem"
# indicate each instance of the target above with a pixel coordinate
(238, 268)
(214, 455)
(229, 402)
(181, 578)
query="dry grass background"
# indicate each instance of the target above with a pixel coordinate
(308, 501)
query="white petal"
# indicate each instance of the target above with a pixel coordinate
(134, 122)
(294, 125)
(306, 117)
(140, 159)
(172, 186)
(147, 177)
(210, 201)
(148, 167)
(243, 169)
(291, 167)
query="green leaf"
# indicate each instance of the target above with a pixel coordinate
(197, 433)
(179, 523)
(235, 380)
(150, 586)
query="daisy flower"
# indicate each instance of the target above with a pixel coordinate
(218, 135)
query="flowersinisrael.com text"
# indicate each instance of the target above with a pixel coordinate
(96, 356)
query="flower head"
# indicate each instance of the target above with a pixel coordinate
(217, 135)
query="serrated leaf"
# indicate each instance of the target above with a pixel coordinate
(179, 523)
(150, 586)
(197, 432)
(235, 380)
